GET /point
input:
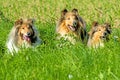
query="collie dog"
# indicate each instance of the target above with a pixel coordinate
(23, 34)
(98, 34)
(71, 26)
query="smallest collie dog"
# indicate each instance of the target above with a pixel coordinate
(71, 26)
(98, 34)
(23, 34)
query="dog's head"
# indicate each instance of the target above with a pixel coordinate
(101, 31)
(24, 29)
(71, 19)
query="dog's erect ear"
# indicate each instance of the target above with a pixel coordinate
(64, 12)
(93, 28)
(31, 21)
(19, 22)
(108, 27)
(94, 24)
(75, 11)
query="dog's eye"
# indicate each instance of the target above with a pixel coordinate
(22, 28)
(68, 18)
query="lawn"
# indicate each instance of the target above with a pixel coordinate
(49, 61)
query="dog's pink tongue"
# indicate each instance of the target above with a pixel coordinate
(27, 38)
(73, 29)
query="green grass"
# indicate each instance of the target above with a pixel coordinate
(49, 61)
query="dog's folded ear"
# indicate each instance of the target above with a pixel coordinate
(108, 27)
(75, 11)
(31, 21)
(95, 23)
(64, 12)
(93, 28)
(19, 22)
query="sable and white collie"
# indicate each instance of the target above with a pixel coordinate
(98, 34)
(71, 26)
(23, 34)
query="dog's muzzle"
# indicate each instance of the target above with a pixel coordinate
(72, 27)
(27, 36)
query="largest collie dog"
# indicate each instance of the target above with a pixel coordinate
(23, 34)
(71, 26)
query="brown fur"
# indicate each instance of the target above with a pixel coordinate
(98, 34)
(71, 23)
(24, 27)
(23, 34)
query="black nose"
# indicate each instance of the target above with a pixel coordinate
(74, 24)
(28, 33)
(105, 33)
